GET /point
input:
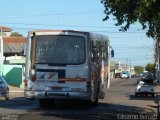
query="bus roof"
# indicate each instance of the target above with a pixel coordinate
(51, 31)
(91, 34)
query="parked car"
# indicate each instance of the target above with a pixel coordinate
(124, 75)
(144, 88)
(145, 85)
(4, 89)
(118, 75)
(135, 76)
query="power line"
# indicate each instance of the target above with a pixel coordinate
(64, 26)
(102, 27)
(55, 13)
(52, 14)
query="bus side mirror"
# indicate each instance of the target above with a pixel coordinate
(112, 53)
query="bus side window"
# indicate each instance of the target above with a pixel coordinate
(93, 52)
(99, 52)
(104, 51)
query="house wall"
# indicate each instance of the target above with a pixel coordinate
(13, 74)
(6, 34)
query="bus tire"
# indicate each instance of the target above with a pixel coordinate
(152, 95)
(96, 99)
(43, 102)
(95, 103)
(102, 95)
(51, 102)
(92, 103)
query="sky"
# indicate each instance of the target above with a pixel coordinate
(131, 47)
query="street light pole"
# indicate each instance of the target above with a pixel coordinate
(1, 54)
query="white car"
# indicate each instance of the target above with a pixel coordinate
(124, 75)
(4, 90)
(144, 89)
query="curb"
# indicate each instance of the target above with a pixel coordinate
(16, 91)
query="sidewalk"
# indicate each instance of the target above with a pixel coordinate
(16, 91)
(157, 97)
(157, 88)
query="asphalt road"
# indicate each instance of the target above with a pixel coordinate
(119, 104)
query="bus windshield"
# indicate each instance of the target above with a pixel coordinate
(60, 49)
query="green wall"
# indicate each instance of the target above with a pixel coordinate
(13, 74)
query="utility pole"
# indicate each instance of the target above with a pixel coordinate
(130, 66)
(157, 57)
(1, 31)
(1, 54)
(126, 64)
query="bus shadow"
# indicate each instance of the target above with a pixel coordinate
(18, 103)
(75, 110)
(102, 111)
(148, 97)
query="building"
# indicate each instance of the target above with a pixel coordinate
(14, 60)
(117, 67)
(129, 68)
(5, 31)
(14, 49)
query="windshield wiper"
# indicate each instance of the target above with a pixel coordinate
(53, 64)
(56, 64)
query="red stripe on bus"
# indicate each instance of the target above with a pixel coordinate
(72, 80)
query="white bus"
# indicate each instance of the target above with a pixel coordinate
(66, 64)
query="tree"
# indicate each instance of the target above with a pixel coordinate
(150, 68)
(16, 34)
(127, 12)
(138, 69)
